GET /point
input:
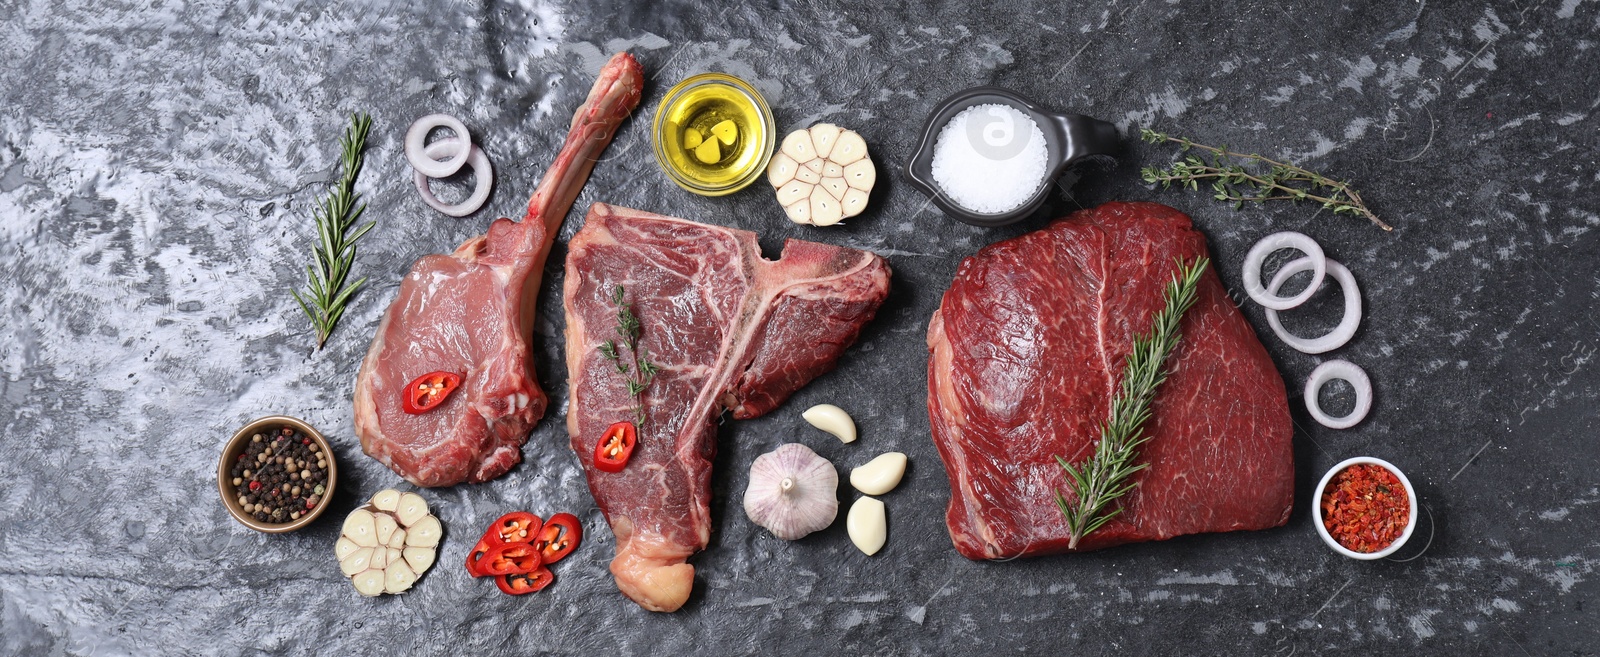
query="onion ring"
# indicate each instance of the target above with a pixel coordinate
(1258, 256)
(1352, 307)
(1355, 376)
(423, 159)
(477, 161)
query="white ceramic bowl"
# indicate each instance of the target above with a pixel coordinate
(1411, 518)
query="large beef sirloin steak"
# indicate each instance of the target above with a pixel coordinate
(730, 331)
(1027, 351)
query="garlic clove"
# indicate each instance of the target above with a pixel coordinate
(794, 192)
(361, 527)
(781, 170)
(344, 547)
(386, 527)
(848, 149)
(868, 525)
(823, 136)
(799, 211)
(831, 170)
(835, 187)
(692, 139)
(379, 558)
(792, 492)
(397, 578)
(369, 582)
(861, 175)
(420, 559)
(853, 203)
(806, 175)
(357, 561)
(727, 132)
(411, 508)
(832, 419)
(397, 539)
(798, 146)
(708, 152)
(825, 209)
(425, 533)
(386, 500)
(880, 475)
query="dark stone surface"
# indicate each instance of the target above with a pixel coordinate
(159, 162)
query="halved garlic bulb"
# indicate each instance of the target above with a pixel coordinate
(388, 543)
(792, 492)
(822, 175)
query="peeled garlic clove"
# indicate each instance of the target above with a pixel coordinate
(692, 139)
(361, 527)
(425, 533)
(861, 175)
(726, 131)
(835, 187)
(850, 148)
(798, 146)
(357, 561)
(344, 547)
(853, 203)
(386, 500)
(420, 559)
(411, 508)
(792, 492)
(868, 525)
(823, 136)
(832, 419)
(386, 527)
(708, 152)
(369, 582)
(880, 475)
(825, 209)
(397, 578)
(781, 170)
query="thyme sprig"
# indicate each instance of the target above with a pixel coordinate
(1261, 181)
(1104, 477)
(636, 367)
(335, 250)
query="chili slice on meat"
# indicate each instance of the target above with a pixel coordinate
(559, 537)
(615, 447)
(428, 391)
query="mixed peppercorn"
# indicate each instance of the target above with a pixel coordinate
(1365, 508)
(280, 476)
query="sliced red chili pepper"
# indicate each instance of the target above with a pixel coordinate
(615, 447)
(510, 559)
(522, 583)
(475, 559)
(428, 391)
(514, 527)
(559, 537)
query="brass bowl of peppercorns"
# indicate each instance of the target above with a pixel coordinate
(276, 474)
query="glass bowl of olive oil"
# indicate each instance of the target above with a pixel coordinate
(713, 134)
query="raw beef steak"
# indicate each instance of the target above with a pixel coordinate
(471, 312)
(730, 331)
(1027, 352)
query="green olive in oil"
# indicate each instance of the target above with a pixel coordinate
(713, 134)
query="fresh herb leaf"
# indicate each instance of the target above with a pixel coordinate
(335, 250)
(1105, 477)
(642, 370)
(1233, 182)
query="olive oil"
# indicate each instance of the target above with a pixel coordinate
(713, 134)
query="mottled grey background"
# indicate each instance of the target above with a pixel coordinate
(159, 161)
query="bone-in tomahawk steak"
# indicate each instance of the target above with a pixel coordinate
(1028, 349)
(729, 330)
(471, 312)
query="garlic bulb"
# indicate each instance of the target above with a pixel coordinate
(388, 543)
(822, 175)
(792, 492)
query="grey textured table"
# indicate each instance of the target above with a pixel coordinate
(156, 176)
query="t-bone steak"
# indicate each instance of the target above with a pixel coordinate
(471, 312)
(1027, 351)
(729, 331)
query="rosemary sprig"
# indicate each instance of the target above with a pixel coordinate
(1103, 478)
(641, 372)
(1231, 181)
(335, 251)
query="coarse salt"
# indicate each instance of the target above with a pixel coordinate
(990, 158)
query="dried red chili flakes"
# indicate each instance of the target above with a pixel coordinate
(1365, 507)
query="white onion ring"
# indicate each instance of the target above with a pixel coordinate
(1352, 307)
(480, 170)
(1257, 257)
(424, 160)
(1355, 376)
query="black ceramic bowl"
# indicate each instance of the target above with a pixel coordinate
(1069, 140)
